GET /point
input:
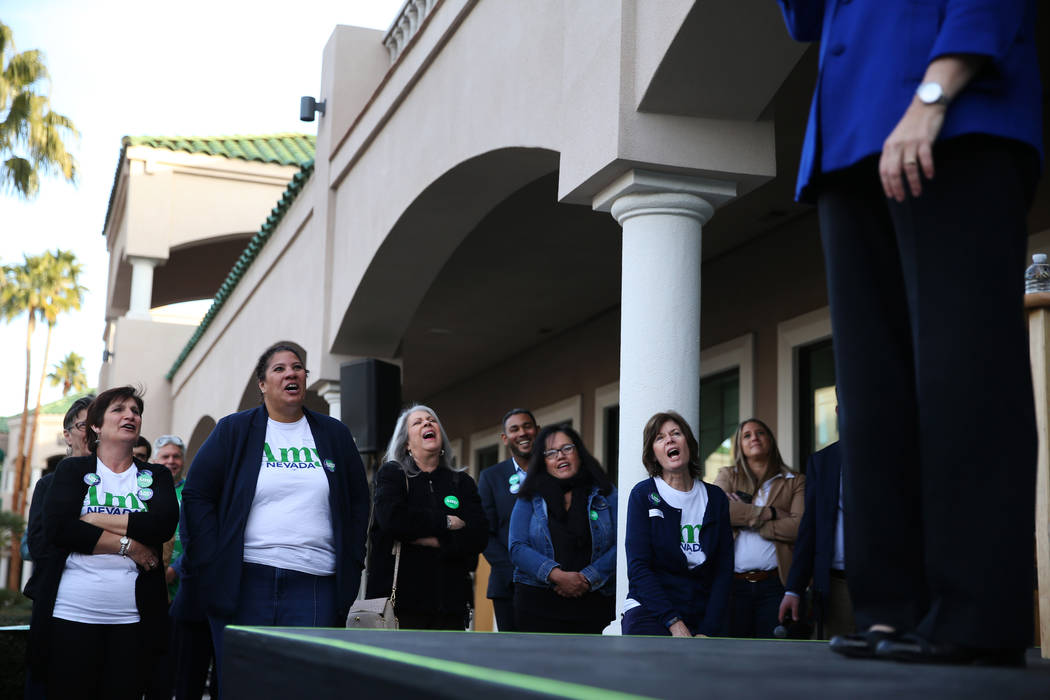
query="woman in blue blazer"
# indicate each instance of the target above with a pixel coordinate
(679, 540)
(274, 512)
(563, 539)
(922, 154)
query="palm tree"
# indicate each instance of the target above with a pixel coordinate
(31, 135)
(69, 373)
(42, 287)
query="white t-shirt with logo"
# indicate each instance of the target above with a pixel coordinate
(753, 551)
(100, 588)
(693, 504)
(290, 523)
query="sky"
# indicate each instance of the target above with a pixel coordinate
(142, 67)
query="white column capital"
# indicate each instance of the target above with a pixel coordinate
(647, 191)
(142, 260)
(330, 391)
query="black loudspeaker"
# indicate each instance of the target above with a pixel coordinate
(370, 399)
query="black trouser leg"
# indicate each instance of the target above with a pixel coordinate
(878, 407)
(935, 397)
(504, 609)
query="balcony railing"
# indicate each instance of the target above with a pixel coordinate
(406, 25)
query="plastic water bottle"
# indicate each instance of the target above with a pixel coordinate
(1037, 276)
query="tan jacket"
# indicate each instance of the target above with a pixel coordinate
(786, 494)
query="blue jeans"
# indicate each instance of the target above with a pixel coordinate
(753, 607)
(272, 597)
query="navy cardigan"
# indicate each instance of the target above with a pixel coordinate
(659, 576)
(218, 496)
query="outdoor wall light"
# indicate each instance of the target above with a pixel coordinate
(307, 107)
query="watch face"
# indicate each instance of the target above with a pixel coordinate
(930, 93)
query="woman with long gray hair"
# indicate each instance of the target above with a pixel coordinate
(434, 511)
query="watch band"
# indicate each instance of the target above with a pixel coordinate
(125, 541)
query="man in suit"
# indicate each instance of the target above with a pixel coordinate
(499, 486)
(819, 549)
(922, 154)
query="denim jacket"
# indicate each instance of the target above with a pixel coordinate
(532, 551)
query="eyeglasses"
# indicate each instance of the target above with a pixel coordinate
(564, 449)
(169, 440)
(79, 425)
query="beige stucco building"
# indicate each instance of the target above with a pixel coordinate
(584, 207)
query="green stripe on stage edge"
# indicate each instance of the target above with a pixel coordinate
(563, 689)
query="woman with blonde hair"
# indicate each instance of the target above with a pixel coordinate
(766, 500)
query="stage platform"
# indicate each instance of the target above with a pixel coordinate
(336, 663)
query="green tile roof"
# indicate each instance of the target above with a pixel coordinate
(284, 149)
(281, 149)
(251, 251)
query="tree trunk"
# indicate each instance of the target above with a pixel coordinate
(32, 433)
(15, 567)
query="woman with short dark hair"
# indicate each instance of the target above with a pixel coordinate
(563, 539)
(679, 543)
(766, 503)
(101, 609)
(274, 512)
(434, 511)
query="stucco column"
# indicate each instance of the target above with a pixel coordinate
(661, 216)
(329, 391)
(141, 286)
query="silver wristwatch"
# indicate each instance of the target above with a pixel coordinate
(931, 94)
(125, 542)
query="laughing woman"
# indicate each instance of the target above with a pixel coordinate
(679, 543)
(435, 512)
(274, 512)
(563, 539)
(101, 608)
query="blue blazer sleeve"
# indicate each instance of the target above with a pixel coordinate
(524, 556)
(638, 546)
(201, 496)
(982, 27)
(717, 612)
(604, 565)
(803, 18)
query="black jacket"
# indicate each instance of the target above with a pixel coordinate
(38, 548)
(431, 579)
(67, 533)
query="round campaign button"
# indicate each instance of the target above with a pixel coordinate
(145, 494)
(514, 478)
(92, 479)
(514, 488)
(594, 515)
(144, 480)
(654, 498)
(329, 465)
(145, 472)
(452, 502)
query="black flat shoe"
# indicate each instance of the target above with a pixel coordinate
(912, 648)
(860, 645)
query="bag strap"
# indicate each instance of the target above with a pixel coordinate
(397, 559)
